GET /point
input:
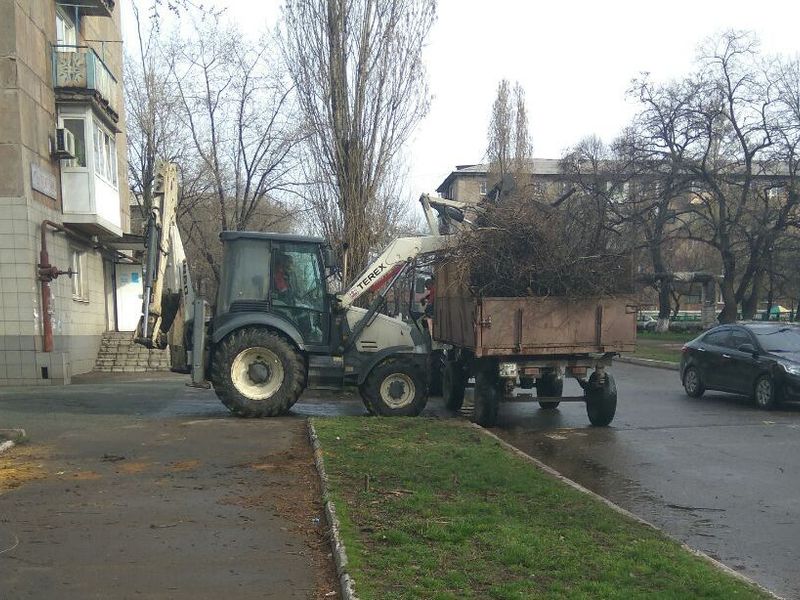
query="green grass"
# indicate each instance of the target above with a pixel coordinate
(667, 336)
(657, 353)
(662, 346)
(450, 514)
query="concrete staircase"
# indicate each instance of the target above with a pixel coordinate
(118, 354)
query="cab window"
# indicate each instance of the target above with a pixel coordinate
(298, 289)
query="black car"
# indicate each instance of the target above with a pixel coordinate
(761, 360)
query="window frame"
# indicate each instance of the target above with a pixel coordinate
(79, 279)
(66, 23)
(104, 145)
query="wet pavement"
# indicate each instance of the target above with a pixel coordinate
(147, 488)
(714, 472)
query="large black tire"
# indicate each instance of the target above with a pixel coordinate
(436, 374)
(257, 373)
(765, 394)
(362, 392)
(549, 386)
(693, 383)
(454, 383)
(601, 400)
(395, 388)
(488, 393)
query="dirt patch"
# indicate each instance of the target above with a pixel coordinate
(86, 475)
(20, 465)
(184, 465)
(300, 504)
(133, 468)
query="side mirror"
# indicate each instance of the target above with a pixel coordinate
(328, 258)
(748, 348)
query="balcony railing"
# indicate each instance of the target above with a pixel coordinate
(80, 69)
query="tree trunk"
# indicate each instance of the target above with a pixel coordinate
(664, 306)
(729, 311)
(750, 302)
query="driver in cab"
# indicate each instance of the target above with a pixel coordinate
(282, 279)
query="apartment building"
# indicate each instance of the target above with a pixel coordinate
(63, 192)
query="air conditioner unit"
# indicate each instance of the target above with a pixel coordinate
(65, 144)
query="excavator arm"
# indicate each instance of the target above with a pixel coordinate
(168, 296)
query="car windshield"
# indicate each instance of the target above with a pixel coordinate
(786, 339)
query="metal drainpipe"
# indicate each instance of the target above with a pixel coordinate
(48, 273)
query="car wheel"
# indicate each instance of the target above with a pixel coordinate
(693, 383)
(765, 394)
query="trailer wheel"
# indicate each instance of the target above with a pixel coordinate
(454, 383)
(436, 373)
(488, 393)
(395, 388)
(601, 400)
(549, 386)
(257, 373)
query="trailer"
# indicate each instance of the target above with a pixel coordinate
(531, 343)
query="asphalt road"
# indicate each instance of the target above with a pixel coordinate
(714, 472)
(149, 489)
(191, 510)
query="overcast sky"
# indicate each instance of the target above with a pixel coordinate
(575, 60)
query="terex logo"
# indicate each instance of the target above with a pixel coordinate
(364, 283)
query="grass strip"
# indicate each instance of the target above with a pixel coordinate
(656, 353)
(433, 509)
(667, 336)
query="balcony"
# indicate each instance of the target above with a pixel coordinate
(92, 8)
(80, 74)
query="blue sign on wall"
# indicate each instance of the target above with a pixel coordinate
(134, 277)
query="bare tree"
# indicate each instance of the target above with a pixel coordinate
(154, 128)
(235, 108)
(716, 131)
(509, 148)
(360, 82)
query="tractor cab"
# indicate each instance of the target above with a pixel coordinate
(276, 280)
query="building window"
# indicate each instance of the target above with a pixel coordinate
(77, 259)
(76, 127)
(483, 188)
(105, 154)
(66, 32)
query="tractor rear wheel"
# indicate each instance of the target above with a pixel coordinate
(257, 373)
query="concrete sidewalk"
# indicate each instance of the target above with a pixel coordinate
(142, 487)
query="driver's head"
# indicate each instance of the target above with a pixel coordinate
(284, 261)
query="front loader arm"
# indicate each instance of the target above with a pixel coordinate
(390, 262)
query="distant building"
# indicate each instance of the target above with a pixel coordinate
(63, 169)
(469, 183)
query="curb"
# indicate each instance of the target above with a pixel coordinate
(551, 471)
(16, 435)
(337, 546)
(649, 362)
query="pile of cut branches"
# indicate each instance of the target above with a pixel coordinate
(526, 248)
